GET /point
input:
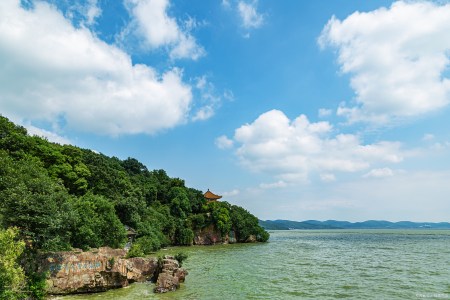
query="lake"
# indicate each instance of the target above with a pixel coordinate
(313, 264)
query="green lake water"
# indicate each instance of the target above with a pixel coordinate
(334, 264)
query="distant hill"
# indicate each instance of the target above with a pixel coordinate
(333, 224)
(286, 225)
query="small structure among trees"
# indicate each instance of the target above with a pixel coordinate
(131, 236)
(211, 197)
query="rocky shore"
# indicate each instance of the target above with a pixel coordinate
(98, 270)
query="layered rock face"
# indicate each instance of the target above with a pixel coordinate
(95, 271)
(171, 275)
(210, 236)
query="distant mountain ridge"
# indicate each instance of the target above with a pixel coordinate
(333, 224)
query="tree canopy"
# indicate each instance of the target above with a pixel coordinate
(60, 197)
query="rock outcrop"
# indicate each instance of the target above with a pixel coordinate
(94, 271)
(171, 275)
(210, 236)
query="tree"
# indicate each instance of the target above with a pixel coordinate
(34, 203)
(97, 224)
(12, 276)
(185, 236)
(133, 166)
(179, 205)
(246, 224)
(220, 215)
(61, 196)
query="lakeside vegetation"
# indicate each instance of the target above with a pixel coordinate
(57, 197)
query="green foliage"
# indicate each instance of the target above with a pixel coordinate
(36, 284)
(12, 277)
(179, 206)
(136, 251)
(220, 216)
(35, 203)
(61, 196)
(246, 224)
(97, 223)
(181, 257)
(196, 221)
(111, 262)
(144, 245)
(226, 217)
(262, 235)
(185, 236)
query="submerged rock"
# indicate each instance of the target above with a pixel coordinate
(94, 271)
(171, 275)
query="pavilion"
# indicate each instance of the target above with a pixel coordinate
(210, 197)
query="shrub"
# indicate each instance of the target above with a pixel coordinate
(12, 276)
(181, 257)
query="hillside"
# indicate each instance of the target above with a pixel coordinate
(333, 224)
(62, 197)
(286, 225)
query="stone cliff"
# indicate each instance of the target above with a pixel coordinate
(99, 270)
(210, 236)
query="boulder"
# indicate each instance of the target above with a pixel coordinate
(251, 239)
(94, 271)
(171, 275)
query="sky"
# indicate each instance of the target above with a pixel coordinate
(291, 109)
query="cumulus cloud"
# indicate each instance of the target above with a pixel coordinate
(397, 58)
(428, 137)
(327, 177)
(81, 12)
(273, 185)
(249, 14)
(292, 150)
(50, 136)
(151, 22)
(50, 70)
(222, 142)
(379, 173)
(232, 193)
(209, 99)
(324, 112)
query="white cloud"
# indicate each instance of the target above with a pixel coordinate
(273, 185)
(93, 11)
(324, 112)
(415, 196)
(226, 3)
(50, 136)
(250, 17)
(327, 177)
(222, 142)
(428, 137)
(209, 98)
(396, 58)
(232, 193)
(151, 22)
(204, 113)
(379, 173)
(293, 150)
(51, 70)
(440, 146)
(83, 12)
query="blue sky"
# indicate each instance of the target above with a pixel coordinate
(292, 109)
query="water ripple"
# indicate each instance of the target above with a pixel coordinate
(352, 264)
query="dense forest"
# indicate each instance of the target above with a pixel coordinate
(57, 197)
